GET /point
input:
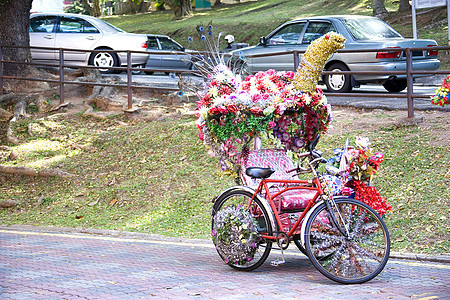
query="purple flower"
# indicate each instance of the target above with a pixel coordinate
(299, 142)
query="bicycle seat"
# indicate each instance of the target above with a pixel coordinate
(256, 172)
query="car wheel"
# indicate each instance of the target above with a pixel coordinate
(104, 59)
(338, 83)
(149, 72)
(395, 85)
(241, 68)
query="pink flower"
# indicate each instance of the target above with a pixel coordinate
(222, 109)
(272, 124)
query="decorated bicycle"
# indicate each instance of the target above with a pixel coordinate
(334, 216)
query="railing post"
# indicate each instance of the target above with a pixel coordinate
(409, 82)
(61, 76)
(129, 80)
(1, 68)
(295, 61)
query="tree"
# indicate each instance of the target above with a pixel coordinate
(378, 8)
(94, 8)
(14, 24)
(181, 8)
(404, 5)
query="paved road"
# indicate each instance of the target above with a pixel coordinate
(46, 264)
(163, 81)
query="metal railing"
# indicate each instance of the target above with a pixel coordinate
(409, 72)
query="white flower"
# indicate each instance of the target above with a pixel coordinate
(203, 111)
(362, 142)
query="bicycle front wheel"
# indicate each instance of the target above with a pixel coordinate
(356, 257)
(237, 227)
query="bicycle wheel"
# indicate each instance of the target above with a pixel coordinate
(299, 245)
(354, 259)
(237, 229)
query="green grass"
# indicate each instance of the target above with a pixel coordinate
(156, 177)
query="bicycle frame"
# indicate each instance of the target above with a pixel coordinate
(313, 184)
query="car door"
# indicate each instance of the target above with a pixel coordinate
(287, 38)
(42, 34)
(154, 59)
(76, 33)
(173, 61)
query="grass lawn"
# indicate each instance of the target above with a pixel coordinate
(155, 176)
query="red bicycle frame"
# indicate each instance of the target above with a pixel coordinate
(313, 184)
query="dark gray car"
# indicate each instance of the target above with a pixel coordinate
(160, 46)
(361, 32)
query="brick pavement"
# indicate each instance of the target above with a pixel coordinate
(73, 265)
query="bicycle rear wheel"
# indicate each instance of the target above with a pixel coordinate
(237, 229)
(354, 259)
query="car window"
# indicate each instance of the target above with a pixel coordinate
(289, 34)
(43, 24)
(76, 25)
(167, 44)
(315, 30)
(370, 29)
(152, 43)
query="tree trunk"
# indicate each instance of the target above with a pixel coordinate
(378, 8)
(181, 8)
(15, 24)
(94, 8)
(404, 5)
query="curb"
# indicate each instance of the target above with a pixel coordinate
(445, 259)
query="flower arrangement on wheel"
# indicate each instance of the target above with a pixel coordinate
(440, 96)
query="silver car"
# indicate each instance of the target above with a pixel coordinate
(361, 32)
(72, 31)
(179, 59)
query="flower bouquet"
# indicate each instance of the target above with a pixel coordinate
(441, 94)
(356, 167)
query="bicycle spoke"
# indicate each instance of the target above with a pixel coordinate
(353, 259)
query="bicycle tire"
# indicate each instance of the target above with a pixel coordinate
(299, 245)
(350, 260)
(263, 225)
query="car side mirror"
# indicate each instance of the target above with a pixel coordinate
(183, 49)
(262, 41)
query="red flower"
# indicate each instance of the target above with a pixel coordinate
(232, 108)
(214, 111)
(256, 110)
(370, 196)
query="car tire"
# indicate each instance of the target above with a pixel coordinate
(149, 72)
(241, 68)
(395, 85)
(104, 59)
(338, 83)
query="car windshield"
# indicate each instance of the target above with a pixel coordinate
(370, 29)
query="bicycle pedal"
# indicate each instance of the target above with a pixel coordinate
(277, 262)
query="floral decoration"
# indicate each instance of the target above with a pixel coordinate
(232, 111)
(357, 166)
(440, 96)
(235, 235)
